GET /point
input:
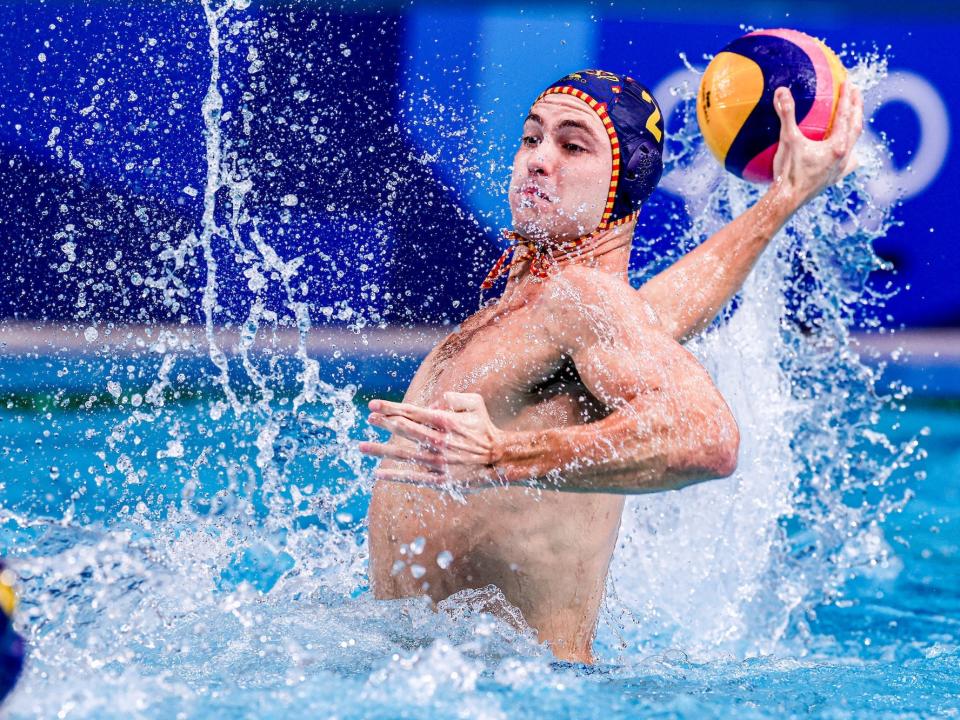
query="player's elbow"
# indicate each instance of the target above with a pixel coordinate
(711, 452)
(726, 445)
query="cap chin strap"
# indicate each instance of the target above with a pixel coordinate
(541, 254)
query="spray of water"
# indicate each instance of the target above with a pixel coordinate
(738, 566)
(239, 584)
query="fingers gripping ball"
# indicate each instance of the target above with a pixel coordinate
(735, 103)
(11, 645)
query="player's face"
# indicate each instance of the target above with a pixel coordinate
(561, 173)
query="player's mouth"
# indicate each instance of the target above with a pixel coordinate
(531, 191)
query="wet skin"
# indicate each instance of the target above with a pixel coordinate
(539, 362)
(544, 409)
(549, 354)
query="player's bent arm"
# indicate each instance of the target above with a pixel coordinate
(669, 427)
(661, 438)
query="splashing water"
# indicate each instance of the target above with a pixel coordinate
(801, 514)
(224, 573)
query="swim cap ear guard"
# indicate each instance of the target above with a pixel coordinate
(641, 174)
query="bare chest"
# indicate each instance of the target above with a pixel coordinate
(510, 360)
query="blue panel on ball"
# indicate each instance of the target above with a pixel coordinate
(783, 64)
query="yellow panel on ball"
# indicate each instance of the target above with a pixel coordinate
(729, 90)
(839, 74)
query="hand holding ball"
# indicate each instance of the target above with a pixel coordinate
(736, 104)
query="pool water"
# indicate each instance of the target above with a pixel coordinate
(188, 523)
(150, 592)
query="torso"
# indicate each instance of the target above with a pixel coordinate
(548, 551)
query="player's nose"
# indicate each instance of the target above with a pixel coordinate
(543, 160)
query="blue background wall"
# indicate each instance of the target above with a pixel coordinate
(400, 180)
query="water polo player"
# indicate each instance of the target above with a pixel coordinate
(572, 389)
(11, 644)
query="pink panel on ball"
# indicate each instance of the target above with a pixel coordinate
(814, 125)
(760, 169)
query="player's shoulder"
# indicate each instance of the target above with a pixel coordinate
(577, 292)
(586, 286)
(588, 282)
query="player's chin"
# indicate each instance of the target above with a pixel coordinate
(535, 222)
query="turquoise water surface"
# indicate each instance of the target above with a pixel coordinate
(150, 591)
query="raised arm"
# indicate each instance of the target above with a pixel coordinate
(688, 295)
(668, 426)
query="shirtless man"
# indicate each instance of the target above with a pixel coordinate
(524, 429)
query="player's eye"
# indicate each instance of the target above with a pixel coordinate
(530, 140)
(574, 148)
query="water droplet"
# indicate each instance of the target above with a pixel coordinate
(91, 334)
(290, 200)
(174, 450)
(444, 558)
(69, 249)
(418, 571)
(54, 472)
(417, 545)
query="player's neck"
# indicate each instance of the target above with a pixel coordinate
(608, 251)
